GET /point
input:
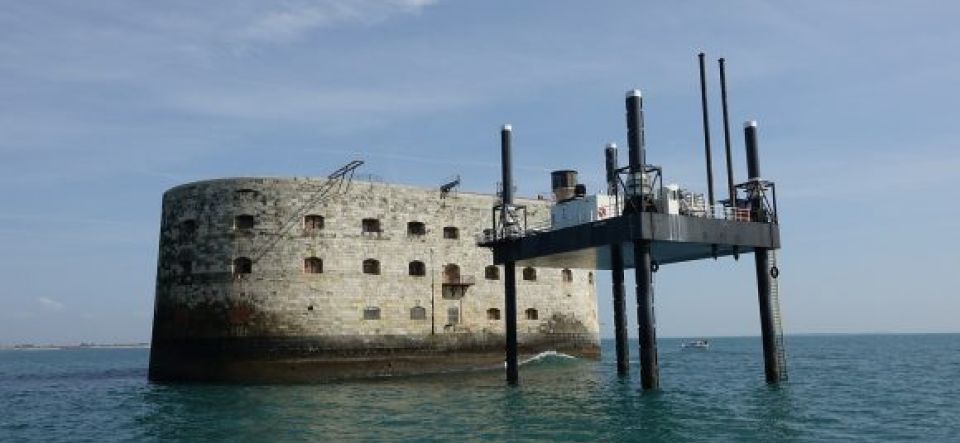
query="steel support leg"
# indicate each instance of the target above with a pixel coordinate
(649, 367)
(619, 310)
(768, 331)
(510, 316)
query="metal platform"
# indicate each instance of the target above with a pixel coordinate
(674, 238)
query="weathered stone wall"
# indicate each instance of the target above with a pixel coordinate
(201, 298)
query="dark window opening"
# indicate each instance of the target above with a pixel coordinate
(371, 266)
(453, 316)
(530, 274)
(418, 313)
(491, 273)
(313, 222)
(451, 273)
(493, 314)
(417, 268)
(451, 233)
(532, 314)
(313, 265)
(186, 268)
(416, 228)
(590, 277)
(242, 265)
(371, 313)
(243, 222)
(566, 275)
(370, 225)
(188, 230)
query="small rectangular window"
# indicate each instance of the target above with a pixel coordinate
(370, 225)
(371, 313)
(453, 315)
(451, 233)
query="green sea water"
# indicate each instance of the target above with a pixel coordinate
(841, 388)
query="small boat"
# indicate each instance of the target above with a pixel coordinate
(695, 344)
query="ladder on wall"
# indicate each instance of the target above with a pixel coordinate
(775, 307)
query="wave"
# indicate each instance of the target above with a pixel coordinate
(546, 357)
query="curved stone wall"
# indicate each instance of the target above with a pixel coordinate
(291, 279)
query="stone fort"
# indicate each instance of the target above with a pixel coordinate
(301, 279)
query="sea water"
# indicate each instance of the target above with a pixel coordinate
(841, 388)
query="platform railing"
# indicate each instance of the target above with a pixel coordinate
(717, 212)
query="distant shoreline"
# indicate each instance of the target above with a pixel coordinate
(50, 347)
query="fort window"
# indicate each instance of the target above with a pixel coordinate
(188, 229)
(243, 222)
(370, 225)
(313, 265)
(590, 277)
(417, 268)
(566, 275)
(242, 265)
(313, 222)
(493, 314)
(451, 233)
(453, 315)
(529, 274)
(418, 313)
(451, 273)
(491, 273)
(532, 314)
(371, 266)
(416, 229)
(371, 313)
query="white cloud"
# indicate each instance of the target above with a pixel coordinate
(50, 303)
(294, 20)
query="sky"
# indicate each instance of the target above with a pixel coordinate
(106, 104)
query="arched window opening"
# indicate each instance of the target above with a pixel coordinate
(313, 222)
(451, 273)
(371, 313)
(416, 229)
(241, 266)
(313, 265)
(493, 314)
(529, 274)
(418, 313)
(491, 273)
(243, 222)
(417, 268)
(566, 275)
(451, 232)
(371, 266)
(370, 226)
(532, 314)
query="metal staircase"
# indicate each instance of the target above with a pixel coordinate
(775, 307)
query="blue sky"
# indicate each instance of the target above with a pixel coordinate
(106, 104)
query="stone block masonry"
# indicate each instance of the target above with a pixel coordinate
(269, 279)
